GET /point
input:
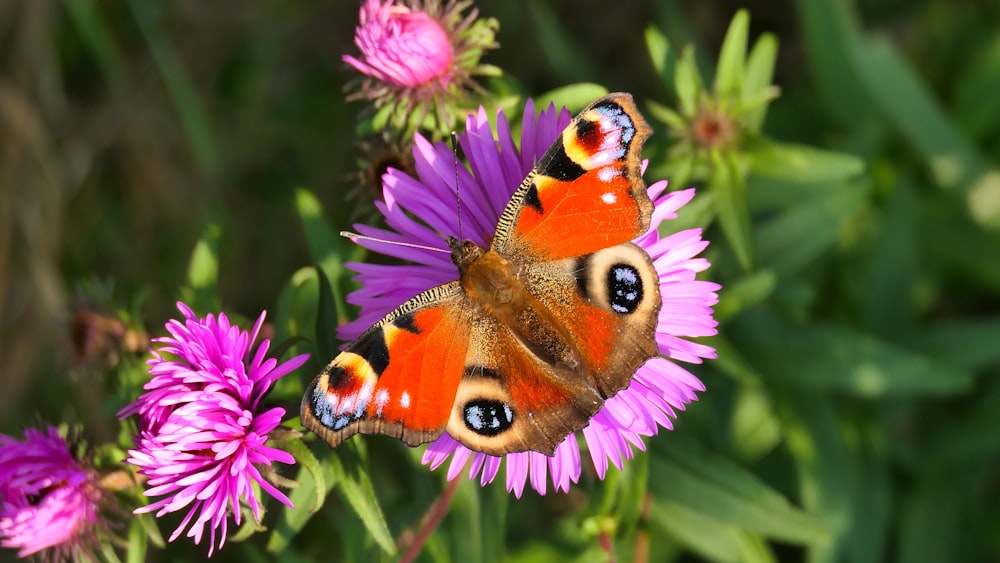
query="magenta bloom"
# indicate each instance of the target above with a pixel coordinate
(419, 56)
(202, 430)
(400, 46)
(47, 500)
(660, 387)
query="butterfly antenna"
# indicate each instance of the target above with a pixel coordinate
(458, 199)
(355, 237)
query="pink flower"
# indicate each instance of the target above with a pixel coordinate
(202, 429)
(419, 57)
(47, 500)
(401, 46)
(659, 388)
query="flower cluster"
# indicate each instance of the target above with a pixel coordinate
(659, 388)
(48, 501)
(202, 428)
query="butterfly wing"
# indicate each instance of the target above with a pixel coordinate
(586, 300)
(399, 378)
(534, 352)
(586, 193)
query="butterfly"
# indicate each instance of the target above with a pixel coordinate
(539, 329)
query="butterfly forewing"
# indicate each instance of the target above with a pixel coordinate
(586, 193)
(398, 379)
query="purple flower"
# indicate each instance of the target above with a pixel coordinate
(418, 56)
(47, 500)
(202, 430)
(659, 388)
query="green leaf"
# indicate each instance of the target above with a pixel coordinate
(912, 109)
(137, 542)
(890, 303)
(668, 116)
(726, 183)
(970, 344)
(687, 82)
(967, 439)
(180, 85)
(717, 488)
(976, 106)
(745, 292)
(354, 485)
(823, 473)
(732, 55)
(756, 429)
(558, 47)
(494, 500)
(326, 319)
(307, 460)
(800, 163)
(326, 247)
(792, 240)
(312, 484)
(658, 47)
(708, 537)
(464, 523)
(757, 81)
(830, 31)
(929, 520)
(202, 293)
(96, 35)
(828, 358)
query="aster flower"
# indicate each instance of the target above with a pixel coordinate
(418, 56)
(48, 501)
(496, 167)
(202, 429)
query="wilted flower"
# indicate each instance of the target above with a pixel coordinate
(48, 501)
(202, 429)
(420, 57)
(659, 388)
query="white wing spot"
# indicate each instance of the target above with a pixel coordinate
(609, 197)
(381, 398)
(606, 175)
(404, 400)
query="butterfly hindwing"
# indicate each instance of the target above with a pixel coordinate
(527, 385)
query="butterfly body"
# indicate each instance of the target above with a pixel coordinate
(539, 329)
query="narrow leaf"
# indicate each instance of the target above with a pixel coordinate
(800, 163)
(354, 485)
(658, 47)
(729, 72)
(687, 82)
(826, 357)
(711, 485)
(726, 183)
(757, 81)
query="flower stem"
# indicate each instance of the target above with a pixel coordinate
(430, 521)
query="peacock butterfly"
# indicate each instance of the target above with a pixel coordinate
(539, 329)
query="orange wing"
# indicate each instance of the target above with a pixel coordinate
(586, 193)
(399, 378)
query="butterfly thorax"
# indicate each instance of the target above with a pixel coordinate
(497, 287)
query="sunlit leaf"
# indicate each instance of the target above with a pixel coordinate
(800, 163)
(732, 56)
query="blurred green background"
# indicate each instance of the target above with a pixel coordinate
(859, 349)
